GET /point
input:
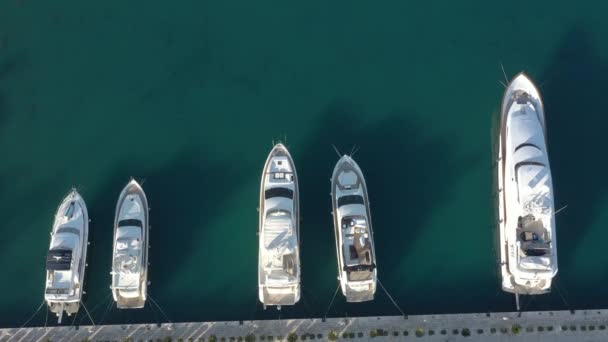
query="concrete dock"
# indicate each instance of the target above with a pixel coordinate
(580, 325)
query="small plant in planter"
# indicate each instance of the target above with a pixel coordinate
(250, 338)
(550, 328)
(351, 335)
(540, 329)
(479, 331)
(516, 329)
(406, 333)
(319, 336)
(332, 336)
(419, 332)
(240, 338)
(529, 329)
(304, 337)
(602, 327)
(493, 330)
(395, 333)
(373, 333)
(431, 332)
(504, 330)
(444, 332)
(344, 335)
(263, 337)
(455, 332)
(271, 338)
(466, 332)
(592, 327)
(292, 337)
(223, 339)
(573, 328)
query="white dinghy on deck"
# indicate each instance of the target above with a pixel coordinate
(353, 231)
(279, 231)
(130, 253)
(66, 259)
(526, 222)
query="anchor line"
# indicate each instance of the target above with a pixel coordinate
(88, 314)
(332, 301)
(35, 313)
(391, 298)
(160, 309)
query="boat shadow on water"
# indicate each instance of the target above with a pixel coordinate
(409, 176)
(573, 87)
(184, 195)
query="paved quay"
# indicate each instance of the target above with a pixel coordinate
(579, 325)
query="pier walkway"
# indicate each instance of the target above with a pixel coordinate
(580, 325)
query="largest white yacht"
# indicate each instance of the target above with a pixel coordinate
(279, 231)
(66, 259)
(353, 229)
(130, 256)
(526, 212)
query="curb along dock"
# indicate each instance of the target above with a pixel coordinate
(588, 325)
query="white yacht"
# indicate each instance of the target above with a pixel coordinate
(279, 231)
(130, 253)
(526, 214)
(353, 229)
(66, 259)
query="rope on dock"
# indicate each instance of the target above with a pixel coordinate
(332, 300)
(159, 309)
(391, 298)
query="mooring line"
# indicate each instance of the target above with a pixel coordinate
(391, 298)
(107, 310)
(26, 322)
(46, 317)
(160, 309)
(560, 294)
(332, 301)
(88, 314)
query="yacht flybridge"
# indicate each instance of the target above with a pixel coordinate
(353, 230)
(279, 230)
(526, 213)
(66, 259)
(130, 256)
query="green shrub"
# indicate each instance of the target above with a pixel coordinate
(292, 337)
(541, 329)
(550, 328)
(250, 338)
(431, 332)
(332, 336)
(515, 329)
(493, 330)
(479, 331)
(466, 332)
(406, 333)
(592, 327)
(455, 332)
(395, 333)
(602, 327)
(373, 333)
(564, 327)
(419, 332)
(351, 334)
(262, 338)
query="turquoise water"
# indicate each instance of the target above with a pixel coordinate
(189, 97)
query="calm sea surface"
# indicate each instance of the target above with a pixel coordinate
(189, 96)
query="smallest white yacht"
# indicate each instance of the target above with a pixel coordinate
(353, 230)
(279, 231)
(66, 259)
(130, 256)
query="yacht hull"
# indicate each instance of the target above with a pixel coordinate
(347, 170)
(71, 223)
(510, 210)
(134, 298)
(288, 292)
